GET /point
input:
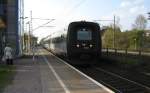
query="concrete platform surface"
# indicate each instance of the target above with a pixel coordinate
(49, 74)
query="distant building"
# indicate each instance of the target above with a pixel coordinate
(11, 11)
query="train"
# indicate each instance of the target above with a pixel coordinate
(81, 39)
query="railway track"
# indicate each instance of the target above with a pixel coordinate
(116, 81)
(131, 74)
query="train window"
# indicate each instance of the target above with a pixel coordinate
(84, 34)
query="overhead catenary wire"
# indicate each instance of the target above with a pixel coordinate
(75, 7)
(43, 24)
(42, 18)
(66, 14)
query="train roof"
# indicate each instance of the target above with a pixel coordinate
(76, 23)
(82, 22)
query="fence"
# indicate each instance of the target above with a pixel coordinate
(126, 52)
(126, 56)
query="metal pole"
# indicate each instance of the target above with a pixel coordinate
(22, 40)
(114, 20)
(135, 44)
(29, 39)
(32, 45)
(114, 33)
(31, 31)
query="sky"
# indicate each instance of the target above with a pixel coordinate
(66, 11)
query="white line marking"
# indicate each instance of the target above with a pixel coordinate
(94, 81)
(57, 76)
(42, 81)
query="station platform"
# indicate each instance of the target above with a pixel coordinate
(46, 73)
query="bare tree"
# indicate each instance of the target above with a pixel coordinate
(140, 22)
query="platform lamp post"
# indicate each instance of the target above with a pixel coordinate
(28, 37)
(135, 44)
(23, 32)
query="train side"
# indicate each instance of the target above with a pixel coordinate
(56, 43)
(81, 38)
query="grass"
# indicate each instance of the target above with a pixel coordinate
(6, 76)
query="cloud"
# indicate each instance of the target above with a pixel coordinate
(137, 2)
(131, 3)
(130, 8)
(128, 11)
(125, 4)
(137, 9)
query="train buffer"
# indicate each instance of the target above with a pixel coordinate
(49, 74)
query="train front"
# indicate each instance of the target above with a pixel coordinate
(83, 39)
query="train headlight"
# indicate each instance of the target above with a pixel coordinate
(78, 45)
(91, 45)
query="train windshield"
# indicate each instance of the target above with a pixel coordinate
(84, 34)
